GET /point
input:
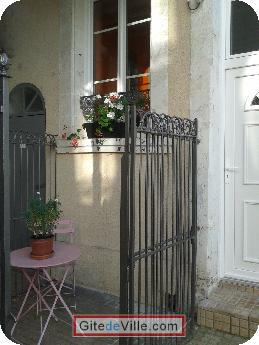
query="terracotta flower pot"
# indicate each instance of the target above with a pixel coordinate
(42, 248)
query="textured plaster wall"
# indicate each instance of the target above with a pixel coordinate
(89, 189)
(170, 57)
(206, 103)
(179, 61)
(29, 32)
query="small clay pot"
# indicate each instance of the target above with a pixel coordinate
(42, 248)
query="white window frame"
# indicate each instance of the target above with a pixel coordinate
(228, 55)
(122, 48)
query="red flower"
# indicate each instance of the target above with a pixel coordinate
(74, 143)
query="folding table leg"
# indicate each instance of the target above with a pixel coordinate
(38, 293)
(39, 306)
(60, 288)
(58, 296)
(24, 301)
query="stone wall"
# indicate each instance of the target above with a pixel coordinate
(170, 57)
(206, 103)
(89, 190)
(47, 43)
(29, 32)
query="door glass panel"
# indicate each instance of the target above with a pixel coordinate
(105, 14)
(244, 28)
(106, 52)
(138, 10)
(256, 100)
(138, 49)
(36, 105)
(17, 101)
(105, 88)
(29, 94)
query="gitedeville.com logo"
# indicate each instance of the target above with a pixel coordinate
(149, 325)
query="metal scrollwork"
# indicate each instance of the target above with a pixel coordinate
(25, 138)
(166, 125)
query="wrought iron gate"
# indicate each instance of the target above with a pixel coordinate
(32, 171)
(158, 218)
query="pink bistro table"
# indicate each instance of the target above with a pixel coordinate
(65, 255)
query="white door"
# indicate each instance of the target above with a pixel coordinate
(242, 174)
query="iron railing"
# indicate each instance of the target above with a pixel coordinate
(32, 171)
(158, 218)
(5, 277)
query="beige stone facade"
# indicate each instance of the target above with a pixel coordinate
(29, 32)
(45, 39)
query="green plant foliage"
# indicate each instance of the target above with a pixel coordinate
(76, 135)
(42, 217)
(108, 110)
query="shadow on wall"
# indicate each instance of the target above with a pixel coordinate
(88, 186)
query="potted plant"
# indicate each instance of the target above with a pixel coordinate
(41, 218)
(105, 115)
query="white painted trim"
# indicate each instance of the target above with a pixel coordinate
(222, 110)
(139, 22)
(105, 81)
(88, 62)
(234, 59)
(106, 30)
(229, 63)
(122, 46)
(246, 180)
(138, 75)
(245, 255)
(73, 69)
(227, 21)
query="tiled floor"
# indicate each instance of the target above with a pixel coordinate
(205, 336)
(231, 308)
(58, 333)
(27, 332)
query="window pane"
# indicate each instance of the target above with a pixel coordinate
(244, 28)
(138, 49)
(138, 9)
(106, 55)
(140, 84)
(17, 101)
(36, 106)
(255, 100)
(105, 88)
(29, 94)
(105, 14)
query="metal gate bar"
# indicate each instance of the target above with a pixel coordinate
(33, 170)
(5, 277)
(159, 218)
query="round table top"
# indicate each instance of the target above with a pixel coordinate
(64, 254)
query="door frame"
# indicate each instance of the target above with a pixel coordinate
(227, 62)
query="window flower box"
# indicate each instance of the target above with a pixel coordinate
(105, 115)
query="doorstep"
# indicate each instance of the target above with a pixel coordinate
(232, 307)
